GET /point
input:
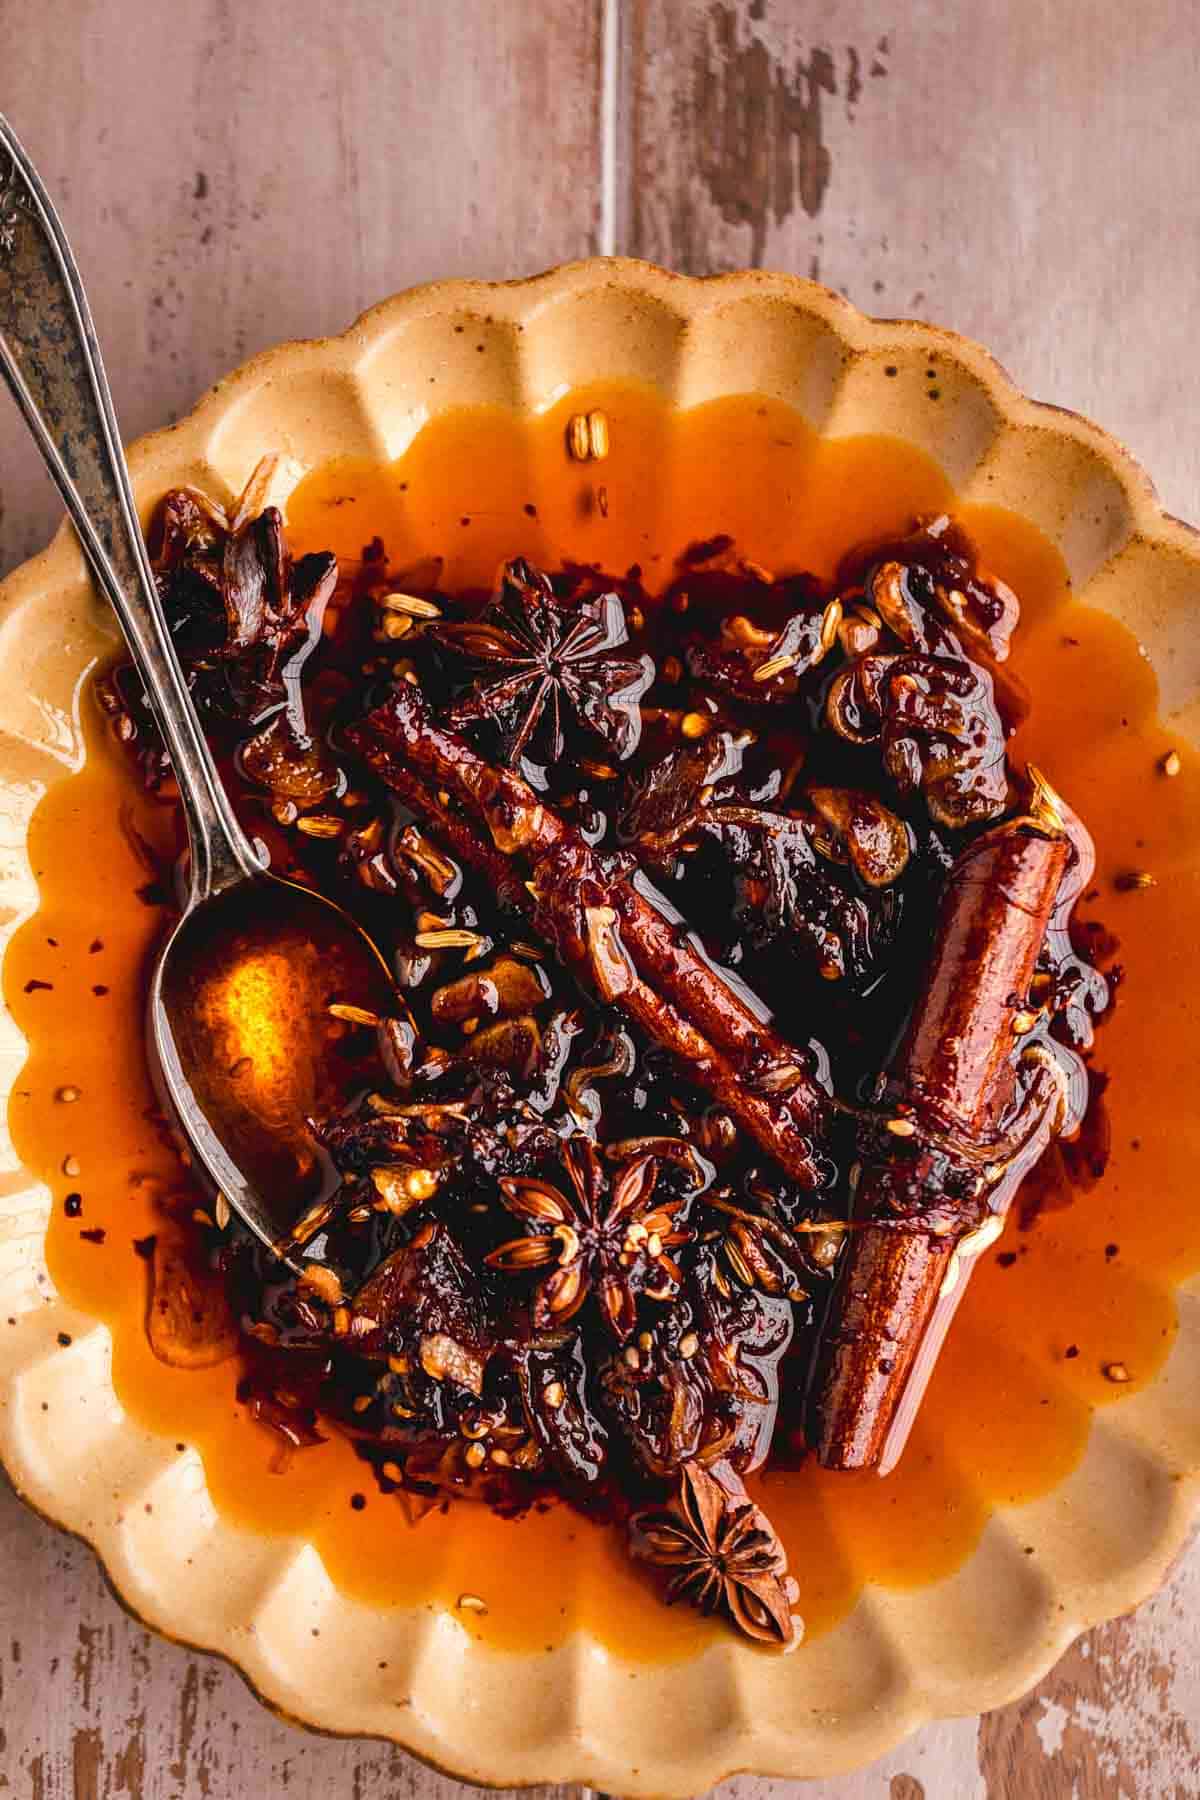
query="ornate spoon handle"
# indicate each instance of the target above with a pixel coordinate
(51, 362)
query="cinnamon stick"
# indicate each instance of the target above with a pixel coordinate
(942, 1174)
(608, 925)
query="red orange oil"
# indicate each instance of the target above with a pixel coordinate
(1008, 1411)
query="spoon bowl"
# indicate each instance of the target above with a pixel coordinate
(247, 1050)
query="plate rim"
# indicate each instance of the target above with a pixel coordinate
(576, 1754)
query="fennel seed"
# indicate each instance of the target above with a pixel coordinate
(831, 619)
(597, 431)
(774, 665)
(410, 606)
(353, 1015)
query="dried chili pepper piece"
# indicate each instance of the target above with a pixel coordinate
(425, 1301)
(936, 721)
(552, 1370)
(759, 666)
(188, 1320)
(662, 799)
(786, 890)
(287, 761)
(876, 841)
(931, 593)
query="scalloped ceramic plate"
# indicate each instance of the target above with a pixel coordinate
(1104, 1537)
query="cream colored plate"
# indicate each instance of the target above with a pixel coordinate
(1103, 1539)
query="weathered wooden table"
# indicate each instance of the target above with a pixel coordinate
(232, 175)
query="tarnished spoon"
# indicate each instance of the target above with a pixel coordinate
(243, 1044)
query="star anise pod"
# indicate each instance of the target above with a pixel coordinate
(601, 1232)
(722, 1552)
(232, 590)
(274, 608)
(244, 617)
(541, 666)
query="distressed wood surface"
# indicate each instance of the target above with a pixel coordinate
(234, 175)
(1025, 173)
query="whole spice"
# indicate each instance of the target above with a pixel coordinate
(721, 1553)
(541, 668)
(936, 722)
(957, 1080)
(586, 1202)
(637, 957)
(600, 1232)
(587, 436)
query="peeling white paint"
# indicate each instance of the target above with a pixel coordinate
(1051, 1727)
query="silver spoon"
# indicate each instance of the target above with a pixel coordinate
(243, 1045)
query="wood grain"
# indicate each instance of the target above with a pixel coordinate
(92, 1707)
(235, 175)
(1025, 173)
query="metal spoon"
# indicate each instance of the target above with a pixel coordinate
(244, 1047)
